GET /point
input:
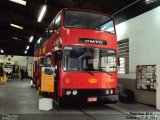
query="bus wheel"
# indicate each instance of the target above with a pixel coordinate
(62, 103)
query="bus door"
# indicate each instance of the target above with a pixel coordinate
(39, 65)
(57, 58)
(34, 71)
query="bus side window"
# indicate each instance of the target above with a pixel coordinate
(48, 61)
(51, 30)
(58, 22)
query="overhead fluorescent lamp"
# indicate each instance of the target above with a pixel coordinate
(150, 1)
(25, 52)
(16, 38)
(22, 2)
(2, 51)
(42, 12)
(39, 40)
(31, 39)
(16, 26)
(27, 47)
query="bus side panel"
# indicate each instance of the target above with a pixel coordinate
(83, 80)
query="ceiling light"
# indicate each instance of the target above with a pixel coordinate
(22, 2)
(39, 40)
(42, 12)
(31, 39)
(25, 52)
(17, 26)
(150, 1)
(2, 51)
(16, 38)
(27, 47)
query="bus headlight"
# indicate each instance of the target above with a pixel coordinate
(68, 92)
(107, 92)
(111, 91)
(74, 92)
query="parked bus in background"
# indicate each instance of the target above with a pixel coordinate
(81, 47)
(8, 68)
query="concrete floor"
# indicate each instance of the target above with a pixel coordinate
(19, 101)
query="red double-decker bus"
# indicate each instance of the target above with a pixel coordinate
(81, 47)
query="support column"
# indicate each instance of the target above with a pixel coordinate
(158, 87)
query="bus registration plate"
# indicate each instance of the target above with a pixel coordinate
(92, 99)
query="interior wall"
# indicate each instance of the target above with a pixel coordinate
(144, 46)
(21, 60)
(141, 96)
(24, 61)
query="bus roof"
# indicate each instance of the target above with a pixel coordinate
(78, 9)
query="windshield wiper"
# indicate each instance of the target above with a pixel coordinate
(88, 71)
(84, 69)
(106, 71)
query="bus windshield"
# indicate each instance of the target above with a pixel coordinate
(79, 58)
(88, 20)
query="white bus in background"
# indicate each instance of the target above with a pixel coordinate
(8, 68)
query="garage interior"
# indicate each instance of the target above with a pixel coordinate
(137, 27)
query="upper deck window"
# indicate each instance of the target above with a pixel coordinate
(89, 20)
(58, 22)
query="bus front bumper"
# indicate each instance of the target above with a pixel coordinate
(89, 99)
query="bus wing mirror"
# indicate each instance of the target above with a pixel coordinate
(60, 54)
(118, 61)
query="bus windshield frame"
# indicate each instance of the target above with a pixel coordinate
(88, 20)
(84, 58)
